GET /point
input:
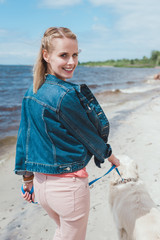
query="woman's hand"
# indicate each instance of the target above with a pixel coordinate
(114, 161)
(27, 196)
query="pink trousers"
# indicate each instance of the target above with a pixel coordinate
(67, 201)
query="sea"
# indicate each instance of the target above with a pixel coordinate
(15, 79)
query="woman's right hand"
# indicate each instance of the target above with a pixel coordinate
(27, 196)
(114, 161)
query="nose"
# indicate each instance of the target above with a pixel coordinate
(71, 60)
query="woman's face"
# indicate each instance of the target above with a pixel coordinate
(63, 60)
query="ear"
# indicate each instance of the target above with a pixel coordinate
(45, 55)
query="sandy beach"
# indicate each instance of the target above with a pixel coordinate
(136, 135)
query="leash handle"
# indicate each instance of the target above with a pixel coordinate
(31, 191)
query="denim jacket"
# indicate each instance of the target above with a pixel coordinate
(62, 126)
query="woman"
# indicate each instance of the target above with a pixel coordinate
(62, 127)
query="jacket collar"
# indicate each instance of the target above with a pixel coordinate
(52, 78)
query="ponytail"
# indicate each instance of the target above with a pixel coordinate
(39, 71)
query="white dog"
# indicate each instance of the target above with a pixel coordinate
(136, 215)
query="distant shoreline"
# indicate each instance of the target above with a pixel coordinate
(118, 66)
(145, 62)
(122, 65)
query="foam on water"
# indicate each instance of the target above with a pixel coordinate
(137, 89)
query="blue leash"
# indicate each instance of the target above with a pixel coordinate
(95, 180)
(90, 183)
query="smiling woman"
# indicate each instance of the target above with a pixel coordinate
(62, 127)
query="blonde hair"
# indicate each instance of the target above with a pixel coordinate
(40, 67)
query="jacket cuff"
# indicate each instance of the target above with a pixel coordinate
(108, 153)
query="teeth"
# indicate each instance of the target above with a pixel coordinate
(68, 69)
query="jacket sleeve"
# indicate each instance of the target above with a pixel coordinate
(76, 121)
(20, 155)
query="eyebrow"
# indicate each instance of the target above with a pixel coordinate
(67, 52)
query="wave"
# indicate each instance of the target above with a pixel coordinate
(114, 91)
(10, 109)
(96, 86)
(130, 82)
(132, 90)
(138, 89)
(93, 85)
(110, 92)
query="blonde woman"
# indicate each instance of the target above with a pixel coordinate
(62, 127)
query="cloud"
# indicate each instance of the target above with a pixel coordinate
(59, 3)
(2, 1)
(133, 13)
(100, 28)
(124, 4)
(20, 50)
(135, 24)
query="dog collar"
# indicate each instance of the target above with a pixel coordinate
(126, 180)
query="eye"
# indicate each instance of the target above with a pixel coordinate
(75, 55)
(63, 55)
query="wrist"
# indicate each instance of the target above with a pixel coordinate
(111, 158)
(28, 178)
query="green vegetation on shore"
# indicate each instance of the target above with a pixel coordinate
(153, 61)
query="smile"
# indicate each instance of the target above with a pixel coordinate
(68, 69)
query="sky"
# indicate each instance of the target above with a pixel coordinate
(106, 29)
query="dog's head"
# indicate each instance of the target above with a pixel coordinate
(128, 169)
